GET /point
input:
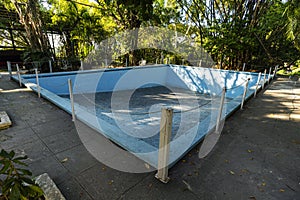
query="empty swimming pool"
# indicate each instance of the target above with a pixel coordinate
(124, 104)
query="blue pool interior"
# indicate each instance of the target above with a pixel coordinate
(193, 92)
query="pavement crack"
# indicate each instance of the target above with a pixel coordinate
(290, 187)
(128, 189)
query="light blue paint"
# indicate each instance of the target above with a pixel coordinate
(201, 80)
(106, 80)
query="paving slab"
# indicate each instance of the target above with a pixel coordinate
(77, 159)
(53, 167)
(73, 190)
(62, 141)
(35, 150)
(17, 137)
(102, 182)
(54, 127)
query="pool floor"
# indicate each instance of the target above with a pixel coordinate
(137, 112)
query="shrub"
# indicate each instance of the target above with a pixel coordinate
(16, 182)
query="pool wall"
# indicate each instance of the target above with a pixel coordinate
(210, 81)
(91, 81)
(203, 80)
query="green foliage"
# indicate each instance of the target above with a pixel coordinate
(36, 59)
(294, 70)
(253, 32)
(233, 32)
(10, 26)
(293, 28)
(34, 56)
(17, 183)
(79, 25)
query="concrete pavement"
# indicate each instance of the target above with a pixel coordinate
(257, 156)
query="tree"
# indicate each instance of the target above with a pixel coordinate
(29, 15)
(80, 25)
(236, 32)
(293, 14)
(233, 32)
(11, 31)
(128, 15)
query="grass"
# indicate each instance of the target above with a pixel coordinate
(284, 72)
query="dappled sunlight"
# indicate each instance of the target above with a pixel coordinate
(287, 108)
(284, 116)
(281, 116)
(15, 90)
(279, 94)
(295, 116)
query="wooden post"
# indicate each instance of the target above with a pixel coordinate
(71, 99)
(274, 72)
(244, 94)
(19, 75)
(269, 77)
(244, 65)
(220, 110)
(162, 58)
(81, 65)
(164, 144)
(126, 62)
(39, 66)
(263, 85)
(37, 82)
(9, 68)
(257, 83)
(200, 63)
(50, 66)
(182, 62)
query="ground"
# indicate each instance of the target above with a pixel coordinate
(257, 156)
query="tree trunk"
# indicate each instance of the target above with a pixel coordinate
(30, 17)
